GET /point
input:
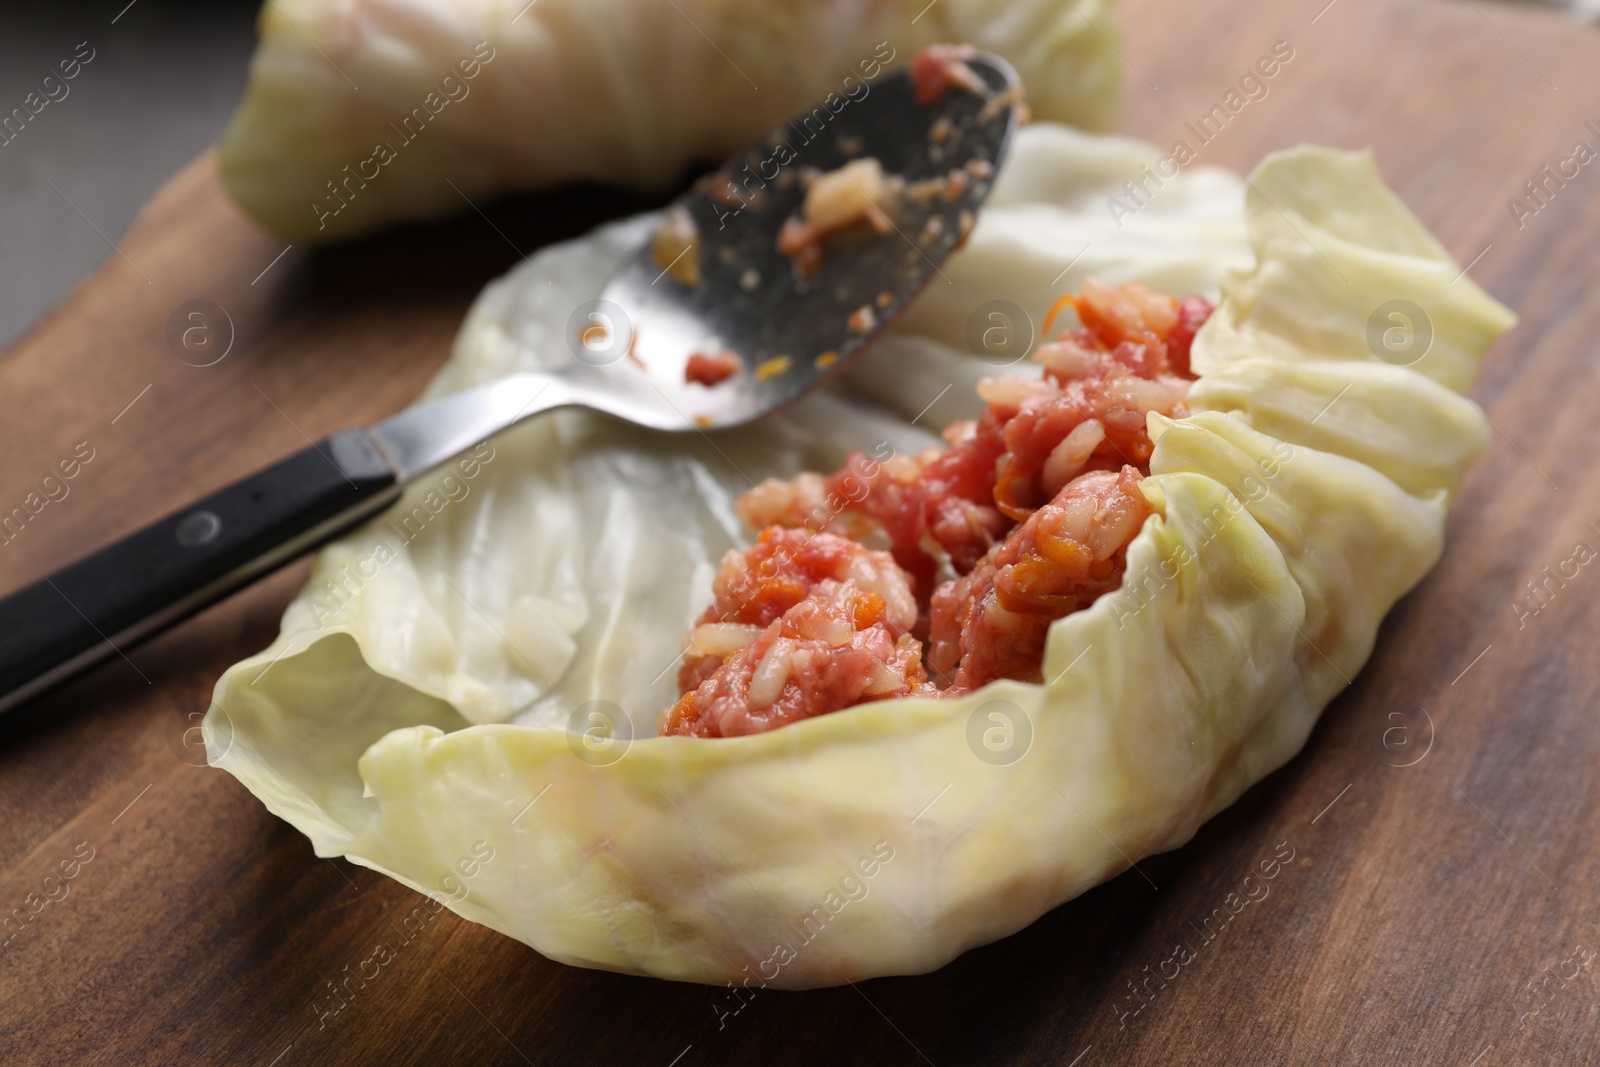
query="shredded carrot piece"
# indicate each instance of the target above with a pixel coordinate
(1055, 309)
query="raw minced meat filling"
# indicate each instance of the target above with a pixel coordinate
(1023, 518)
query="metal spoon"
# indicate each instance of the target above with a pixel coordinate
(792, 324)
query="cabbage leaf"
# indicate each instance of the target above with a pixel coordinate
(359, 113)
(427, 699)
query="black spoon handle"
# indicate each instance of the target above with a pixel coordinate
(157, 576)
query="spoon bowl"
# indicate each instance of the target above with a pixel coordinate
(792, 330)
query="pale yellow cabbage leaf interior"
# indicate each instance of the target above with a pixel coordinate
(416, 707)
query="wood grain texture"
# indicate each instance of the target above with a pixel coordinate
(1432, 913)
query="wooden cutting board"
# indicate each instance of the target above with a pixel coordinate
(1439, 903)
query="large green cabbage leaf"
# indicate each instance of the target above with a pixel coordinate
(413, 714)
(363, 112)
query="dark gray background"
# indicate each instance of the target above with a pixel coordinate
(163, 82)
